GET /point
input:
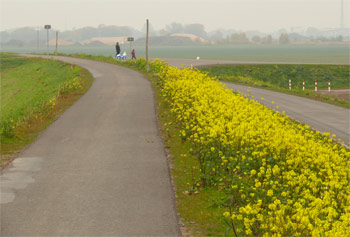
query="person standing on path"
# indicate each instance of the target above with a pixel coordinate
(117, 48)
(133, 54)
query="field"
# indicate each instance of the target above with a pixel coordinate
(280, 75)
(276, 77)
(33, 92)
(249, 53)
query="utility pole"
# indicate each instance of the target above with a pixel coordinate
(56, 42)
(37, 39)
(147, 46)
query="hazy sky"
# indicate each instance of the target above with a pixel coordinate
(262, 15)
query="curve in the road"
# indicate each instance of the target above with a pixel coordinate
(99, 170)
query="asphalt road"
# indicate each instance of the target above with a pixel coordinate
(319, 116)
(98, 170)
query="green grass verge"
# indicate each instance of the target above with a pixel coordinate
(200, 210)
(276, 78)
(34, 92)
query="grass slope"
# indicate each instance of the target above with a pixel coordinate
(200, 211)
(34, 92)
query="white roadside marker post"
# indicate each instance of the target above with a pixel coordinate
(303, 85)
(290, 84)
(315, 85)
(329, 85)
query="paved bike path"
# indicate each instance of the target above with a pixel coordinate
(99, 170)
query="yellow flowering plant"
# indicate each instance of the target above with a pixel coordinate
(280, 176)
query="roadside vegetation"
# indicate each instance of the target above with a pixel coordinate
(276, 78)
(240, 168)
(34, 92)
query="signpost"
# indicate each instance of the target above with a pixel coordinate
(47, 27)
(130, 39)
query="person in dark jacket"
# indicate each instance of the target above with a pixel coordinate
(133, 54)
(117, 48)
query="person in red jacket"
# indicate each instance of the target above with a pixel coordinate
(133, 54)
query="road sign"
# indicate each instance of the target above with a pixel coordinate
(47, 27)
(130, 38)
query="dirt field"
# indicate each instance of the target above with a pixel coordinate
(341, 94)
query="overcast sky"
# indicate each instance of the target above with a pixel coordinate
(262, 15)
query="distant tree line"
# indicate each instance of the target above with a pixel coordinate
(338, 38)
(28, 35)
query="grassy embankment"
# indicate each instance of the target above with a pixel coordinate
(276, 78)
(224, 167)
(34, 92)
